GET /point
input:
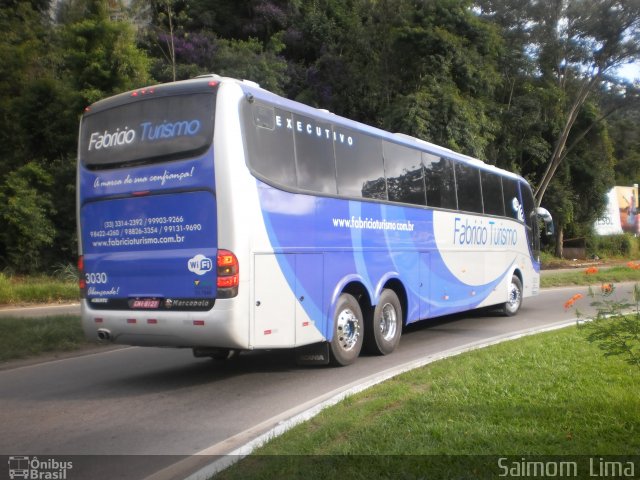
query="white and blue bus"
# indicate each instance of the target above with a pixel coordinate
(217, 216)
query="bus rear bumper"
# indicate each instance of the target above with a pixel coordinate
(220, 327)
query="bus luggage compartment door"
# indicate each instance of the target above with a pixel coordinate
(287, 293)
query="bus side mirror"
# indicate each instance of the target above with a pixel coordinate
(544, 214)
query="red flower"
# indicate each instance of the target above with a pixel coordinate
(607, 288)
(569, 303)
(591, 271)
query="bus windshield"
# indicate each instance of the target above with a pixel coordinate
(147, 131)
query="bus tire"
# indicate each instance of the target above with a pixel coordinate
(384, 327)
(514, 302)
(348, 330)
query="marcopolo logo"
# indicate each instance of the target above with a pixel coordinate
(200, 264)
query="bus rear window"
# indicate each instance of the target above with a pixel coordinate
(148, 131)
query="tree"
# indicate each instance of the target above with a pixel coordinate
(446, 84)
(423, 68)
(624, 127)
(558, 93)
(164, 20)
(26, 33)
(26, 214)
(577, 45)
(249, 59)
(36, 129)
(241, 19)
(100, 55)
(584, 178)
(183, 44)
(50, 72)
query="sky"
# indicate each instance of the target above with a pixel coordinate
(630, 71)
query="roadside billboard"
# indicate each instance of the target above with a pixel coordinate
(621, 214)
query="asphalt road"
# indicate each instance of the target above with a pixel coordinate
(139, 410)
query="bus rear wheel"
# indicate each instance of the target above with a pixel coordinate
(384, 327)
(514, 301)
(348, 331)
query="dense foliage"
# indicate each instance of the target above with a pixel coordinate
(530, 86)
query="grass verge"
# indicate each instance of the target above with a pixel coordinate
(24, 337)
(617, 274)
(40, 289)
(552, 395)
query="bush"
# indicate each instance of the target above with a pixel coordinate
(613, 328)
(621, 245)
(25, 213)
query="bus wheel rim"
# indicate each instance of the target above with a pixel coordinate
(348, 330)
(515, 297)
(388, 322)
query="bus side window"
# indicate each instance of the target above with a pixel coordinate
(512, 203)
(405, 175)
(492, 193)
(315, 163)
(468, 187)
(270, 144)
(440, 181)
(264, 116)
(359, 167)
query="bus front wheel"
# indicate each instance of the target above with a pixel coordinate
(514, 301)
(384, 328)
(348, 331)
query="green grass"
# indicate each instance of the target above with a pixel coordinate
(24, 337)
(551, 394)
(579, 277)
(38, 289)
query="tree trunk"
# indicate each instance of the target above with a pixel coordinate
(559, 241)
(558, 156)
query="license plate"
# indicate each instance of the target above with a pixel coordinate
(145, 303)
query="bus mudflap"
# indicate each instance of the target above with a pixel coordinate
(314, 354)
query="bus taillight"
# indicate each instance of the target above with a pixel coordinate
(81, 281)
(228, 274)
